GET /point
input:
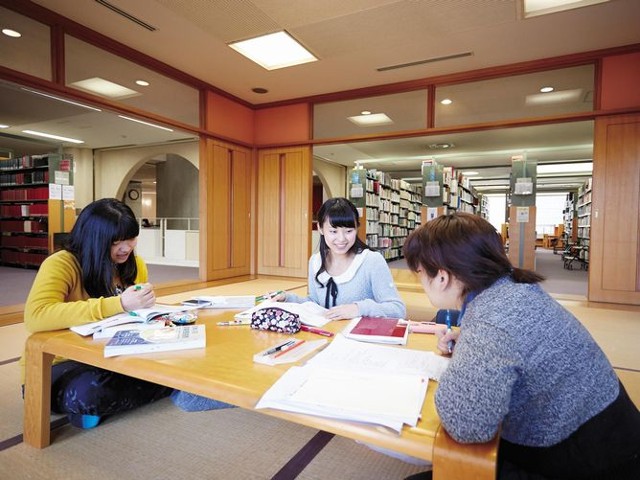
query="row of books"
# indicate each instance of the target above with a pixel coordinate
(22, 258)
(25, 161)
(27, 193)
(25, 210)
(24, 241)
(24, 178)
(24, 226)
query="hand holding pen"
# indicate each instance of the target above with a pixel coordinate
(446, 340)
(138, 296)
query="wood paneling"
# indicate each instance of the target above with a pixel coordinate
(225, 204)
(614, 271)
(284, 211)
(522, 253)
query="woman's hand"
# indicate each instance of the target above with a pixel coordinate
(138, 296)
(446, 339)
(343, 311)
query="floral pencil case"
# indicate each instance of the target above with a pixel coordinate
(275, 320)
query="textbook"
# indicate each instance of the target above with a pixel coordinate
(111, 331)
(349, 380)
(130, 342)
(378, 330)
(222, 301)
(143, 315)
(310, 313)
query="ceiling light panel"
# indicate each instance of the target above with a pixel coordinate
(104, 88)
(534, 8)
(371, 120)
(274, 51)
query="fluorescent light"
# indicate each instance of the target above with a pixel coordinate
(62, 100)
(11, 33)
(371, 120)
(533, 8)
(104, 88)
(145, 123)
(273, 51)
(567, 168)
(470, 173)
(554, 97)
(2, 125)
(55, 137)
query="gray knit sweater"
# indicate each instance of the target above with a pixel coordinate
(524, 362)
(367, 283)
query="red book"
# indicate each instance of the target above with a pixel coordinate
(378, 330)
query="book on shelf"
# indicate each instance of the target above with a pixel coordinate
(378, 330)
(230, 302)
(310, 313)
(143, 315)
(130, 342)
(349, 380)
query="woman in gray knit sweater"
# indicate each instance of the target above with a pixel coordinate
(521, 363)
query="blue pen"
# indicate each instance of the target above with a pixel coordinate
(448, 322)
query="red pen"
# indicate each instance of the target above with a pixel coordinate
(317, 331)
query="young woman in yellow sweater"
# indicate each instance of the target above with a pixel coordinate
(91, 278)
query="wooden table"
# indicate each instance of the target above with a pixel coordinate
(224, 370)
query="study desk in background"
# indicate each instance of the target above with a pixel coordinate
(225, 370)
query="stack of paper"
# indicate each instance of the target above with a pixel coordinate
(357, 381)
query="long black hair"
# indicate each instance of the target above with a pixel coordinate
(99, 225)
(341, 213)
(466, 246)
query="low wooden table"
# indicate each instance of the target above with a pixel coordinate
(225, 370)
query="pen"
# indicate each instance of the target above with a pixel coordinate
(278, 348)
(317, 331)
(234, 322)
(137, 287)
(448, 321)
(269, 295)
(289, 348)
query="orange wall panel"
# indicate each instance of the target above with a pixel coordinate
(620, 80)
(287, 124)
(229, 119)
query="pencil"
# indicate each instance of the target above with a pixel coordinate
(288, 349)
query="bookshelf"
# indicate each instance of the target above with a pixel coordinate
(584, 219)
(32, 206)
(447, 190)
(389, 209)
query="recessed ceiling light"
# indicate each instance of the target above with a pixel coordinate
(11, 33)
(105, 88)
(260, 90)
(50, 135)
(142, 83)
(441, 146)
(371, 120)
(273, 51)
(365, 112)
(446, 101)
(546, 89)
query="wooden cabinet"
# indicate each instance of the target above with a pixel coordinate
(225, 203)
(614, 270)
(284, 211)
(30, 212)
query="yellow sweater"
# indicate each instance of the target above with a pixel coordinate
(57, 299)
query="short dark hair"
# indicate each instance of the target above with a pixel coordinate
(99, 224)
(340, 212)
(464, 245)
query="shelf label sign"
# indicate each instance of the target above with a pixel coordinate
(61, 178)
(522, 214)
(68, 192)
(55, 191)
